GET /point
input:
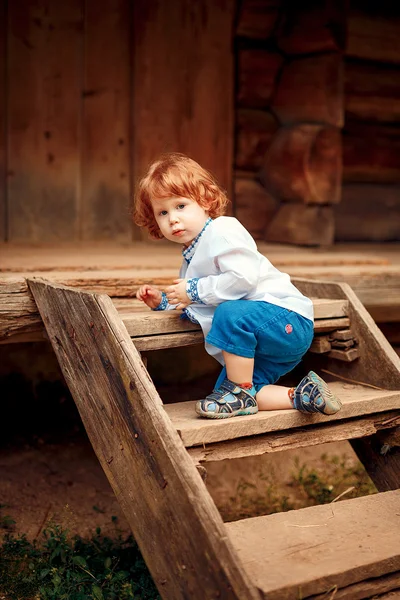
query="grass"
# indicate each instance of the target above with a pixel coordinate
(307, 486)
(61, 567)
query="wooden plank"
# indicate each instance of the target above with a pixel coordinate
(357, 401)
(320, 548)
(379, 204)
(105, 173)
(342, 335)
(373, 35)
(381, 461)
(372, 93)
(320, 344)
(3, 119)
(293, 439)
(43, 115)
(170, 340)
(346, 355)
(141, 454)
(378, 364)
(369, 588)
(183, 68)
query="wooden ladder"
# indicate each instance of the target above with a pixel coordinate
(154, 455)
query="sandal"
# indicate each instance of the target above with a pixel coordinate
(229, 400)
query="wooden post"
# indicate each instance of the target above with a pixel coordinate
(381, 463)
(173, 518)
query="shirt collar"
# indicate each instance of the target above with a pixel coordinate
(189, 252)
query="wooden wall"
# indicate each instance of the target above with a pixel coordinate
(91, 92)
(289, 113)
(370, 208)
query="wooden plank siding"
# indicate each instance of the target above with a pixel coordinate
(106, 122)
(43, 119)
(183, 65)
(3, 104)
(95, 90)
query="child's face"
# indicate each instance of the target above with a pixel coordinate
(179, 219)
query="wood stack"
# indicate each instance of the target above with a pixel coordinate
(371, 137)
(288, 120)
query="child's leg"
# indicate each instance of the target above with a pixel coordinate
(274, 397)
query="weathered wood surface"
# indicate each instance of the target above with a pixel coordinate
(369, 588)
(3, 112)
(43, 120)
(312, 27)
(257, 18)
(381, 461)
(254, 206)
(183, 68)
(371, 153)
(105, 166)
(358, 401)
(293, 439)
(379, 205)
(302, 224)
(378, 364)
(310, 89)
(373, 35)
(320, 344)
(304, 164)
(320, 548)
(372, 93)
(19, 317)
(255, 130)
(257, 73)
(141, 454)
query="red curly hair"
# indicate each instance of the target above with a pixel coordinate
(176, 175)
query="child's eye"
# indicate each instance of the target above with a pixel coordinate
(163, 213)
(181, 206)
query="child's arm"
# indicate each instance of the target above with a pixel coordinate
(239, 275)
(153, 297)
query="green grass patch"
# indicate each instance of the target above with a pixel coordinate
(60, 567)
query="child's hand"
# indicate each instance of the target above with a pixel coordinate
(150, 295)
(176, 294)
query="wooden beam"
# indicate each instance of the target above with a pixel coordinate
(294, 439)
(302, 224)
(257, 72)
(155, 481)
(381, 461)
(3, 122)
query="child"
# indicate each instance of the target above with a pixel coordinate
(255, 322)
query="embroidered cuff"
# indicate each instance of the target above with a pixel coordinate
(191, 290)
(163, 304)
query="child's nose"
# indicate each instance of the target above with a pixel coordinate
(173, 218)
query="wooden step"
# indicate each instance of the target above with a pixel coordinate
(358, 400)
(319, 549)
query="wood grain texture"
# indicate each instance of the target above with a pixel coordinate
(257, 18)
(43, 119)
(310, 89)
(312, 27)
(372, 92)
(381, 463)
(183, 84)
(373, 35)
(105, 168)
(305, 225)
(141, 454)
(254, 206)
(358, 401)
(378, 364)
(379, 205)
(294, 439)
(303, 163)
(3, 119)
(255, 130)
(319, 548)
(258, 71)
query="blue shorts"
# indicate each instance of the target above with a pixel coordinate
(277, 338)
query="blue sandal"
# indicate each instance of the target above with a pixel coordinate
(229, 400)
(313, 395)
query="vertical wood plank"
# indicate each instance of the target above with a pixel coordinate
(183, 83)
(106, 122)
(43, 119)
(3, 112)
